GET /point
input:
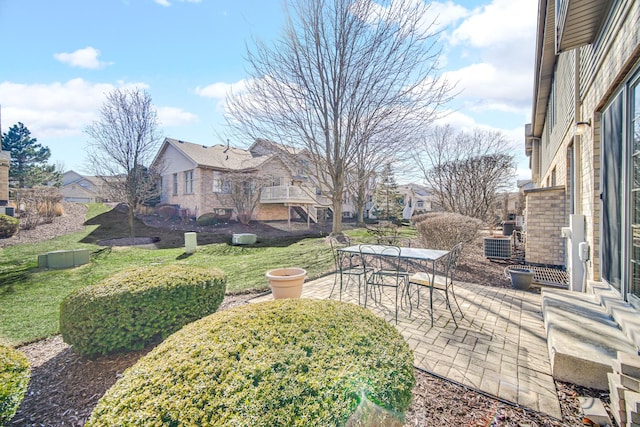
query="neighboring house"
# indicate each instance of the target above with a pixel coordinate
(416, 198)
(584, 149)
(81, 189)
(195, 177)
(5, 163)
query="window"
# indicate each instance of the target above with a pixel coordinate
(220, 185)
(217, 183)
(420, 204)
(175, 184)
(188, 182)
(553, 177)
(620, 190)
(275, 181)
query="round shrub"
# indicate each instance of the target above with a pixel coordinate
(138, 306)
(14, 378)
(208, 219)
(290, 362)
(8, 226)
(168, 212)
(445, 230)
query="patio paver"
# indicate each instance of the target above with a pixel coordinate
(499, 347)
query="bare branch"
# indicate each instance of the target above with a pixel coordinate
(124, 141)
(350, 82)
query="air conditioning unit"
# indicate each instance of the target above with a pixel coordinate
(497, 247)
(7, 210)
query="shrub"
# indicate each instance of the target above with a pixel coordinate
(168, 212)
(14, 378)
(291, 362)
(208, 219)
(138, 306)
(8, 226)
(38, 204)
(445, 230)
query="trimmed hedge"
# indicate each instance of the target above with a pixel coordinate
(290, 362)
(8, 226)
(14, 379)
(138, 306)
(445, 230)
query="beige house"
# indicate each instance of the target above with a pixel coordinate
(584, 148)
(196, 178)
(81, 189)
(417, 199)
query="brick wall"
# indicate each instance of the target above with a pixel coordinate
(546, 214)
(272, 212)
(5, 160)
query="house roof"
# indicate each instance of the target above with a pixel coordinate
(545, 64)
(574, 25)
(72, 177)
(281, 147)
(218, 156)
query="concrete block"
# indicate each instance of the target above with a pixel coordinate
(619, 411)
(631, 383)
(60, 259)
(632, 400)
(616, 389)
(244, 239)
(43, 261)
(593, 410)
(582, 338)
(80, 256)
(627, 364)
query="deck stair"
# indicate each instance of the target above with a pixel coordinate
(586, 330)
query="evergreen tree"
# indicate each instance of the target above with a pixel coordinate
(28, 159)
(387, 199)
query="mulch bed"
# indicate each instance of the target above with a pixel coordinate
(65, 387)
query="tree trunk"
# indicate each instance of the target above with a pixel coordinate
(336, 227)
(130, 214)
(360, 218)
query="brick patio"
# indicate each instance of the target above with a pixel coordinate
(498, 348)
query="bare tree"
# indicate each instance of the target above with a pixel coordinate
(350, 82)
(244, 191)
(124, 141)
(466, 171)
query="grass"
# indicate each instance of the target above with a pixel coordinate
(30, 297)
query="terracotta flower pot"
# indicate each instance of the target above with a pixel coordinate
(286, 282)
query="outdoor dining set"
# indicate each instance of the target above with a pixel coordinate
(398, 271)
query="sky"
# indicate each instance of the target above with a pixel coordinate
(60, 59)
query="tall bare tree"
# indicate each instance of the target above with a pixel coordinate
(350, 81)
(124, 141)
(466, 171)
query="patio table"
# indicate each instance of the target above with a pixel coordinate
(422, 255)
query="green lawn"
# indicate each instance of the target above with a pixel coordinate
(30, 298)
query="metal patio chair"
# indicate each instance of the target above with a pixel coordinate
(442, 282)
(384, 269)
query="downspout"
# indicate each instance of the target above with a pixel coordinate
(577, 147)
(578, 246)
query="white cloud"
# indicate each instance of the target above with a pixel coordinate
(500, 22)
(55, 109)
(220, 90)
(443, 15)
(173, 116)
(491, 85)
(82, 58)
(437, 15)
